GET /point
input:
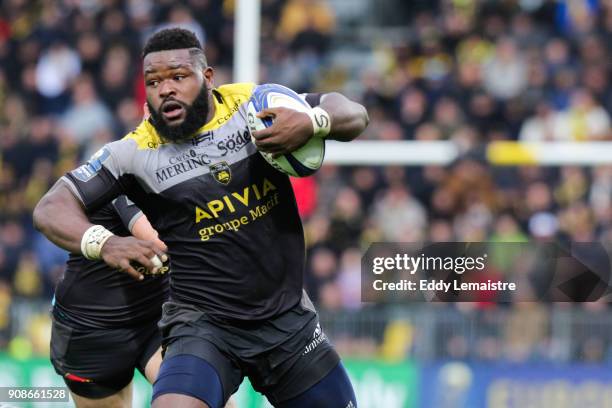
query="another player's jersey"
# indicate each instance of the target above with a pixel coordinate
(91, 294)
(230, 220)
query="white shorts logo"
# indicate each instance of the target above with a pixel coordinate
(318, 337)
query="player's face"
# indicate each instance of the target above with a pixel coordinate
(177, 92)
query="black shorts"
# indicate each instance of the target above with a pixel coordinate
(282, 357)
(97, 363)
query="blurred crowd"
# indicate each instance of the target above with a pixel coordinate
(467, 71)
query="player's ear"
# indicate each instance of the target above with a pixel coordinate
(209, 74)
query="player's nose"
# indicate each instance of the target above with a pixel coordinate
(166, 89)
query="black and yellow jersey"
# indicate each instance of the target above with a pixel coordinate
(229, 219)
(93, 295)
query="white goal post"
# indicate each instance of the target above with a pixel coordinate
(420, 153)
(246, 40)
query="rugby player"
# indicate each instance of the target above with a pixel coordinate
(98, 341)
(234, 236)
(104, 322)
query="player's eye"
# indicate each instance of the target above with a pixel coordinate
(179, 77)
(153, 83)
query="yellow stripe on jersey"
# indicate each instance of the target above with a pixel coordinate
(231, 95)
(145, 136)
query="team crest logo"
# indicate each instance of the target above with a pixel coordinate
(221, 172)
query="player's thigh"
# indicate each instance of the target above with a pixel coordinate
(151, 372)
(149, 347)
(121, 399)
(151, 369)
(94, 364)
(195, 367)
(296, 363)
(316, 367)
(187, 380)
(333, 391)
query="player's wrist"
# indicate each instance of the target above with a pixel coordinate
(321, 122)
(93, 240)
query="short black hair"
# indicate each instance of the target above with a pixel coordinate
(173, 39)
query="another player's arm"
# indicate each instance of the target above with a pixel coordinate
(136, 222)
(333, 117)
(142, 229)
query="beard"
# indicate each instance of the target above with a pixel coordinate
(195, 118)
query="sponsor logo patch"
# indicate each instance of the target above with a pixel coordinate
(93, 165)
(183, 163)
(206, 139)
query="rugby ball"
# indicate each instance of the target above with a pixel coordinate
(301, 162)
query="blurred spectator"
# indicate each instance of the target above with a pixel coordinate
(541, 126)
(129, 115)
(302, 16)
(572, 187)
(346, 220)
(441, 231)
(22, 154)
(89, 47)
(400, 217)
(448, 117)
(585, 119)
(413, 104)
(507, 230)
(538, 197)
(349, 278)
(543, 226)
(56, 69)
(180, 16)
(116, 76)
(577, 17)
(509, 64)
(87, 115)
(323, 266)
(600, 194)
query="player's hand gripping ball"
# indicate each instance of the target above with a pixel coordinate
(301, 162)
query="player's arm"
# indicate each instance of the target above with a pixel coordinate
(334, 116)
(61, 218)
(142, 229)
(348, 118)
(60, 215)
(136, 222)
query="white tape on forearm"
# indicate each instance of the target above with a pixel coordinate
(321, 122)
(92, 241)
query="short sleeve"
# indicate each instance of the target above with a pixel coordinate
(127, 210)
